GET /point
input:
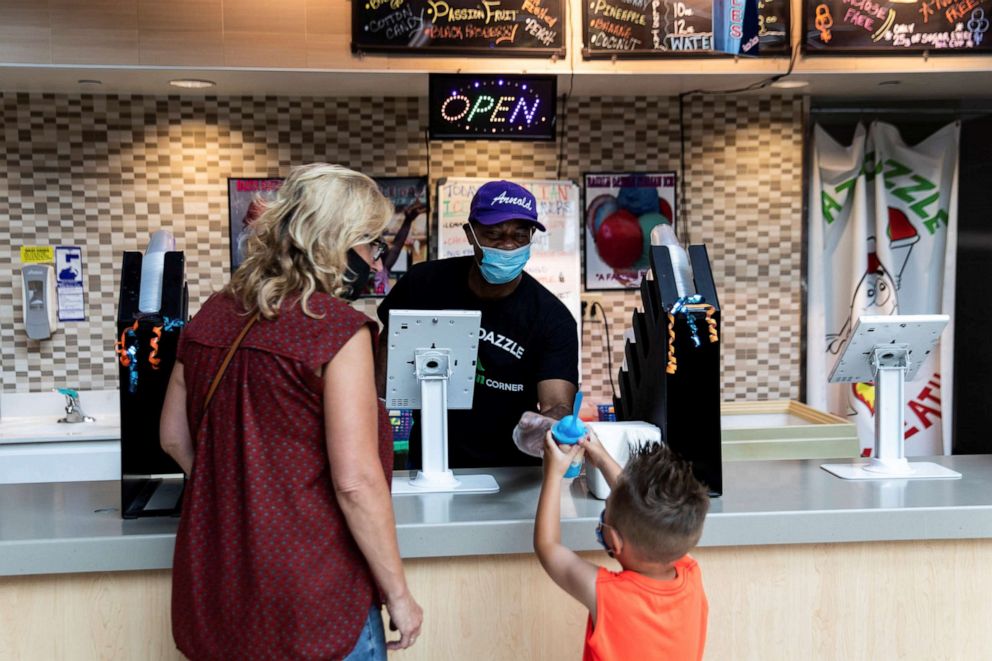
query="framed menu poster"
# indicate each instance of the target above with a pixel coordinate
(554, 260)
(886, 27)
(455, 27)
(621, 210)
(671, 28)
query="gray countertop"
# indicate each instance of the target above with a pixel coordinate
(76, 526)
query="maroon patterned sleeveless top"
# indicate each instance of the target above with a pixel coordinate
(265, 567)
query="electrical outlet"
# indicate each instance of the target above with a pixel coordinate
(589, 301)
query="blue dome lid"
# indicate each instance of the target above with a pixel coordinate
(570, 429)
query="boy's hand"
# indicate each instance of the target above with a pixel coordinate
(596, 454)
(556, 459)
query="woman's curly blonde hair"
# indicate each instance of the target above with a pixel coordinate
(300, 243)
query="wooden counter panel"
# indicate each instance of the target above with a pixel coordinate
(894, 600)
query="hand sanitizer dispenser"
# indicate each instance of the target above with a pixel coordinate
(40, 303)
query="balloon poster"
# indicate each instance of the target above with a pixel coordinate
(621, 209)
(246, 198)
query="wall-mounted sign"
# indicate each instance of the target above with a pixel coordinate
(621, 210)
(492, 107)
(487, 27)
(69, 283)
(37, 254)
(246, 198)
(735, 27)
(662, 28)
(897, 26)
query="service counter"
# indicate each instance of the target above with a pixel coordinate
(797, 564)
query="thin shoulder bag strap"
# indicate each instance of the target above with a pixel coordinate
(227, 360)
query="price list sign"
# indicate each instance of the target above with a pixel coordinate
(648, 28)
(481, 27)
(897, 26)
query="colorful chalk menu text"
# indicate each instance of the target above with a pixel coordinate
(492, 27)
(897, 26)
(648, 28)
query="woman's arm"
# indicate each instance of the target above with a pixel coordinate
(173, 427)
(351, 422)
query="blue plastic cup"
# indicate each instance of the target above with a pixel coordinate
(569, 431)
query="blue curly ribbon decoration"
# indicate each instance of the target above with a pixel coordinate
(132, 367)
(679, 307)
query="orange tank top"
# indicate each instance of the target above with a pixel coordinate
(642, 618)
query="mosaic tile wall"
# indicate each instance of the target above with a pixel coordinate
(103, 172)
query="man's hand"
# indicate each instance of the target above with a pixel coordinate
(528, 435)
(405, 616)
(557, 460)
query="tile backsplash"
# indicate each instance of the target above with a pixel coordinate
(103, 172)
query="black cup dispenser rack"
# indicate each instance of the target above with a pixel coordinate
(671, 376)
(145, 348)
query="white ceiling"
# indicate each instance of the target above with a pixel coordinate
(932, 84)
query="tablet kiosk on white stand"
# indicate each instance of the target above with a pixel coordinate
(889, 350)
(431, 366)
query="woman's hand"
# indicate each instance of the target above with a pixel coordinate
(557, 460)
(405, 616)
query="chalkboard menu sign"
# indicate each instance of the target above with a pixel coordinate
(897, 26)
(648, 28)
(490, 27)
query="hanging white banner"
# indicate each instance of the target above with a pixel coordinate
(838, 227)
(883, 241)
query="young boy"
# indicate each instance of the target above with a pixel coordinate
(655, 608)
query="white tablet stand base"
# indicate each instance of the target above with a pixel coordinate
(889, 363)
(432, 368)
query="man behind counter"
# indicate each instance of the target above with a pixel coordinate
(528, 349)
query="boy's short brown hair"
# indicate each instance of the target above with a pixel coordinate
(657, 505)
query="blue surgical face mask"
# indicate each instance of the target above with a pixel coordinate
(599, 534)
(499, 266)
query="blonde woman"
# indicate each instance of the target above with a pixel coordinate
(287, 544)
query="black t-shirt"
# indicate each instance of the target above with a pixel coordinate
(527, 337)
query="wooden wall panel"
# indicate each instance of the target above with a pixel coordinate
(95, 46)
(94, 14)
(316, 34)
(181, 48)
(285, 16)
(181, 16)
(25, 31)
(905, 600)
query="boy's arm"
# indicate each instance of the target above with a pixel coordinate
(574, 575)
(601, 459)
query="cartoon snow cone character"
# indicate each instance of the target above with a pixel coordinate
(902, 237)
(875, 294)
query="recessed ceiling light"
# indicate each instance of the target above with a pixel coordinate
(89, 81)
(890, 82)
(790, 84)
(192, 83)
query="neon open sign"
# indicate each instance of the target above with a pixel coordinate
(492, 107)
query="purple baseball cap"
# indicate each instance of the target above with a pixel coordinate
(499, 201)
